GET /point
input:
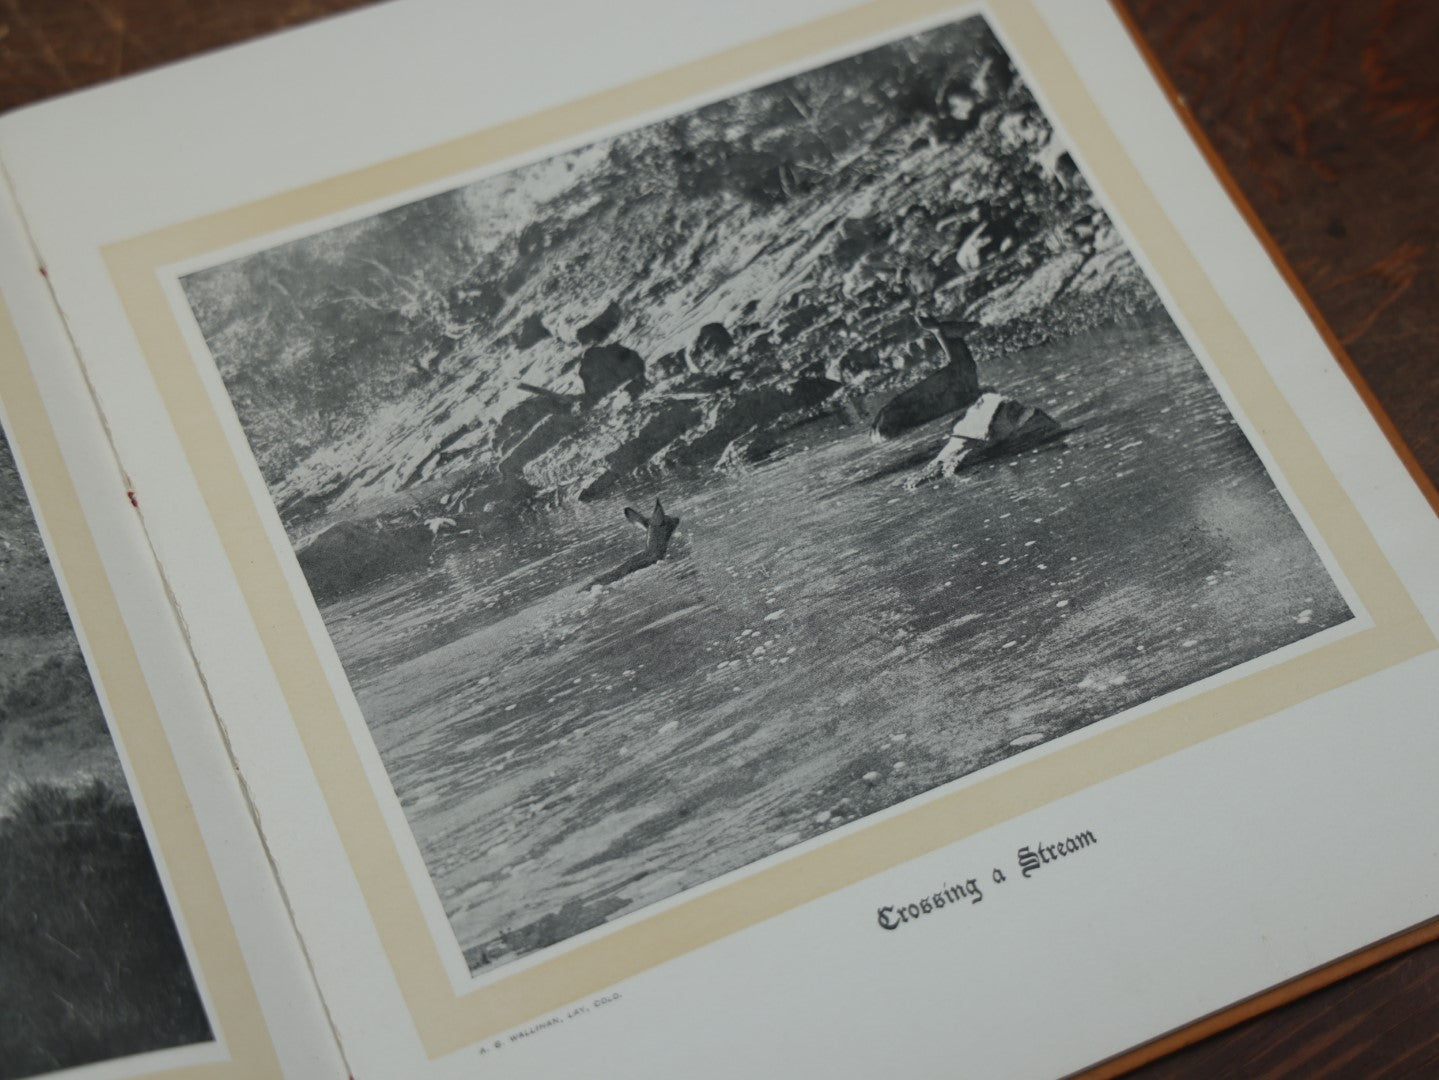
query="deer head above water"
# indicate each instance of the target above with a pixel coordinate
(950, 333)
(658, 527)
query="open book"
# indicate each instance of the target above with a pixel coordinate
(652, 541)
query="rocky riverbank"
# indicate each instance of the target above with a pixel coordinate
(680, 297)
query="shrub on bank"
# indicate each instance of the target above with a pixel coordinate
(91, 965)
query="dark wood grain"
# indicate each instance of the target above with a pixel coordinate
(1326, 114)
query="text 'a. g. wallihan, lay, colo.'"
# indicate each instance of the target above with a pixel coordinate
(1030, 860)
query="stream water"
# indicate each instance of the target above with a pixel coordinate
(818, 644)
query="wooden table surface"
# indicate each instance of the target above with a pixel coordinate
(1326, 114)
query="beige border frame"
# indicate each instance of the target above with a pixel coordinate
(447, 1021)
(234, 1007)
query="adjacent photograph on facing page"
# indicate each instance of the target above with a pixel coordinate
(681, 497)
(91, 964)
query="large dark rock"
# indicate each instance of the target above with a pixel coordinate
(857, 237)
(531, 332)
(605, 368)
(711, 346)
(760, 350)
(671, 365)
(802, 318)
(601, 326)
(807, 391)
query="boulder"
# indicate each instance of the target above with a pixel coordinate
(801, 318)
(671, 365)
(531, 332)
(711, 345)
(808, 391)
(605, 368)
(857, 237)
(601, 326)
(760, 350)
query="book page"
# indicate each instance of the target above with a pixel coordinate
(829, 491)
(125, 842)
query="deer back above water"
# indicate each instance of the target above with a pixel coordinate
(953, 387)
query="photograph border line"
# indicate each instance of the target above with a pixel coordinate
(112, 663)
(447, 1021)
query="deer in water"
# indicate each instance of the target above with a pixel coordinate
(658, 528)
(950, 389)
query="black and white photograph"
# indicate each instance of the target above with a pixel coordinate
(678, 498)
(91, 964)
